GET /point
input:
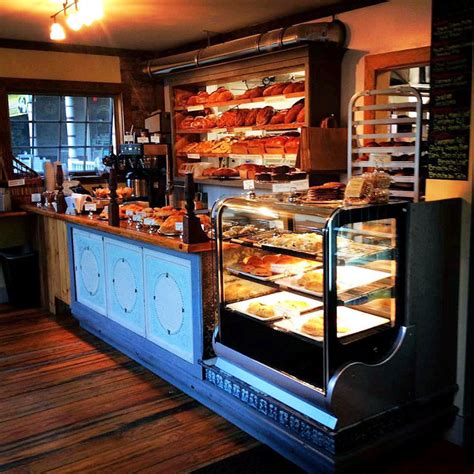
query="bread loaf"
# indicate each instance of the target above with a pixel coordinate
(251, 117)
(214, 97)
(292, 145)
(264, 115)
(274, 89)
(279, 117)
(300, 118)
(294, 111)
(186, 122)
(252, 93)
(181, 97)
(240, 117)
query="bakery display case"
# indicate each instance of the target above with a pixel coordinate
(305, 289)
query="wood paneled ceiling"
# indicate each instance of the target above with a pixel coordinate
(157, 25)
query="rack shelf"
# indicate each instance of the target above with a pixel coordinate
(277, 127)
(236, 102)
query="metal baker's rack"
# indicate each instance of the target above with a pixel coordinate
(384, 111)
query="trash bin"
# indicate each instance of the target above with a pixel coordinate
(20, 270)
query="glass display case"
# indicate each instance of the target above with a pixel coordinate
(305, 289)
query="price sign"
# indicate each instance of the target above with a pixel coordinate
(143, 140)
(193, 156)
(149, 221)
(90, 206)
(138, 217)
(155, 139)
(15, 182)
(179, 227)
(354, 188)
(298, 185)
(249, 184)
(195, 108)
(129, 138)
(242, 129)
(36, 197)
(129, 212)
(272, 157)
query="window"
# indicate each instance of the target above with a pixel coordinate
(78, 131)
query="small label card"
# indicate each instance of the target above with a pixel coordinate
(195, 108)
(16, 182)
(179, 227)
(242, 129)
(36, 197)
(149, 221)
(138, 217)
(90, 206)
(193, 156)
(143, 140)
(129, 138)
(155, 139)
(275, 98)
(129, 212)
(249, 184)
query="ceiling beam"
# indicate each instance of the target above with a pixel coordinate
(284, 22)
(74, 48)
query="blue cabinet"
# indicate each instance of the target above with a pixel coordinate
(125, 302)
(89, 270)
(169, 303)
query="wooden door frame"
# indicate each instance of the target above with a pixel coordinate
(376, 63)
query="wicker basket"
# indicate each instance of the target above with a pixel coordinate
(33, 183)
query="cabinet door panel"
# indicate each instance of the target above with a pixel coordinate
(168, 297)
(89, 270)
(125, 285)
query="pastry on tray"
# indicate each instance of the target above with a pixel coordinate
(260, 309)
(315, 327)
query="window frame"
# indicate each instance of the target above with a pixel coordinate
(117, 91)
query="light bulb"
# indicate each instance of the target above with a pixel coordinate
(74, 21)
(57, 32)
(90, 10)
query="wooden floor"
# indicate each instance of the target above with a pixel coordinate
(71, 403)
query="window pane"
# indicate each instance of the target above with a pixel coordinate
(96, 155)
(20, 132)
(99, 109)
(73, 134)
(73, 158)
(47, 134)
(46, 153)
(73, 109)
(100, 134)
(18, 106)
(46, 107)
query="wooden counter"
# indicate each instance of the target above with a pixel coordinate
(172, 243)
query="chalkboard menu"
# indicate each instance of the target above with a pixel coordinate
(451, 78)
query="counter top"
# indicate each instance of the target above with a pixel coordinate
(172, 243)
(12, 214)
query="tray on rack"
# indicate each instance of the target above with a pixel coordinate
(351, 320)
(277, 270)
(348, 278)
(280, 303)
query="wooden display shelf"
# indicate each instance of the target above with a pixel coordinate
(230, 103)
(236, 156)
(7, 214)
(275, 127)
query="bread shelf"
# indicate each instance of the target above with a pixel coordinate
(238, 156)
(236, 102)
(276, 127)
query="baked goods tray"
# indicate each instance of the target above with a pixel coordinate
(351, 320)
(355, 251)
(239, 269)
(277, 301)
(348, 278)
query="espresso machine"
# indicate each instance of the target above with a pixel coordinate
(148, 175)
